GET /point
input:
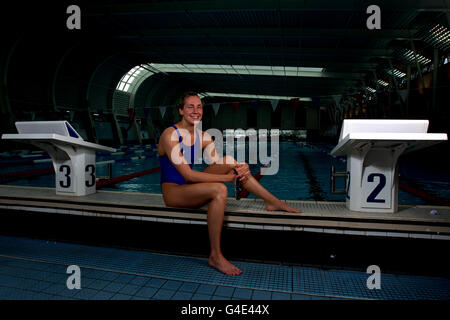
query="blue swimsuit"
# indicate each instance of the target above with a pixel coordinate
(168, 171)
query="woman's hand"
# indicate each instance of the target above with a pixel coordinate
(243, 171)
(230, 177)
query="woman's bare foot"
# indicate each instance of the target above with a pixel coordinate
(281, 205)
(223, 265)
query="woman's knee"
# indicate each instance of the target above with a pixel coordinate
(229, 161)
(219, 191)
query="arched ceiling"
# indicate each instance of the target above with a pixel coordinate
(329, 34)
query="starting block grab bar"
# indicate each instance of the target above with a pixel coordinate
(73, 158)
(372, 148)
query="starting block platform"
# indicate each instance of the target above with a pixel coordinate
(372, 148)
(73, 158)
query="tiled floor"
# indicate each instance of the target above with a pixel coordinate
(37, 269)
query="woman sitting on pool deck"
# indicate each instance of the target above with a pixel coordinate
(186, 188)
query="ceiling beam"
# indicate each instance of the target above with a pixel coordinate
(346, 66)
(324, 76)
(265, 32)
(127, 7)
(316, 52)
(356, 66)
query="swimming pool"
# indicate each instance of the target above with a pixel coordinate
(304, 173)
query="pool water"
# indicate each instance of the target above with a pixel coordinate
(304, 174)
(290, 183)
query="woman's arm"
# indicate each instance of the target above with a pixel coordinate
(211, 157)
(171, 147)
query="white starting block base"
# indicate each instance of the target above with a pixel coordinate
(73, 158)
(372, 148)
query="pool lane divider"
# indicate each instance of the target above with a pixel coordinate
(126, 159)
(314, 187)
(7, 177)
(12, 176)
(37, 153)
(21, 154)
(46, 158)
(25, 161)
(110, 182)
(424, 195)
(125, 152)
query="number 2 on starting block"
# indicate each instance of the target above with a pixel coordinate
(376, 191)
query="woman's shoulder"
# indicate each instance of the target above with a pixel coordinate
(168, 131)
(166, 134)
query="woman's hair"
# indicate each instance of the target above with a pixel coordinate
(184, 96)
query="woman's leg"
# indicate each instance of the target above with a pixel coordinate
(251, 185)
(195, 195)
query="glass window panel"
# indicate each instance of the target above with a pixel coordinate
(258, 67)
(291, 73)
(230, 69)
(261, 72)
(310, 69)
(203, 66)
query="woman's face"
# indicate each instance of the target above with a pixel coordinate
(193, 110)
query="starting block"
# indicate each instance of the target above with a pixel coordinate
(372, 148)
(73, 158)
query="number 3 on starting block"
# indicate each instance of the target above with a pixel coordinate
(70, 181)
(64, 177)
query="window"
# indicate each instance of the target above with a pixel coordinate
(130, 78)
(240, 69)
(411, 57)
(250, 96)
